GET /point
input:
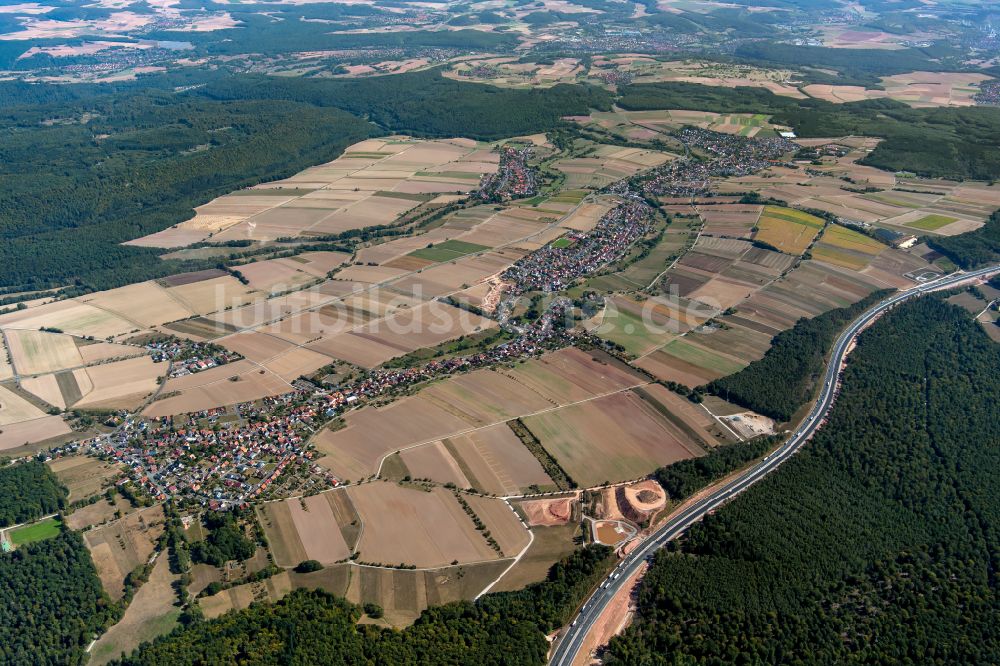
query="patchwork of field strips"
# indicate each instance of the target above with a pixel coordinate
(491, 460)
(471, 405)
(918, 89)
(322, 527)
(608, 164)
(845, 247)
(753, 293)
(508, 72)
(648, 69)
(401, 593)
(372, 183)
(44, 370)
(730, 220)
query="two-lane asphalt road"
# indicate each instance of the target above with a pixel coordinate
(571, 642)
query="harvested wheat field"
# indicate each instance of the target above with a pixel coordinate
(70, 317)
(614, 438)
(570, 375)
(147, 304)
(251, 385)
(213, 295)
(37, 352)
(14, 408)
(501, 522)
(305, 529)
(414, 526)
(122, 384)
(354, 452)
(484, 397)
(13, 435)
(491, 460)
(45, 388)
(786, 229)
(587, 216)
(255, 346)
(363, 187)
(297, 363)
(96, 352)
(434, 462)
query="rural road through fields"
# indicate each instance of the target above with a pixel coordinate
(570, 644)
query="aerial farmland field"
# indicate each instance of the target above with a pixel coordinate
(491, 460)
(37, 352)
(413, 526)
(613, 438)
(312, 528)
(788, 230)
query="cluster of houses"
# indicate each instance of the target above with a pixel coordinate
(514, 179)
(224, 457)
(554, 268)
(188, 357)
(211, 458)
(733, 156)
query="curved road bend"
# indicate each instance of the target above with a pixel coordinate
(571, 642)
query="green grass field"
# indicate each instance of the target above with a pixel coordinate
(448, 250)
(848, 239)
(792, 215)
(40, 531)
(701, 357)
(560, 243)
(631, 332)
(932, 222)
(569, 196)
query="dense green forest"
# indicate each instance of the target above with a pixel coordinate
(935, 142)
(426, 103)
(861, 67)
(28, 491)
(68, 197)
(83, 173)
(973, 248)
(313, 627)
(878, 543)
(686, 477)
(51, 602)
(783, 380)
(225, 541)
